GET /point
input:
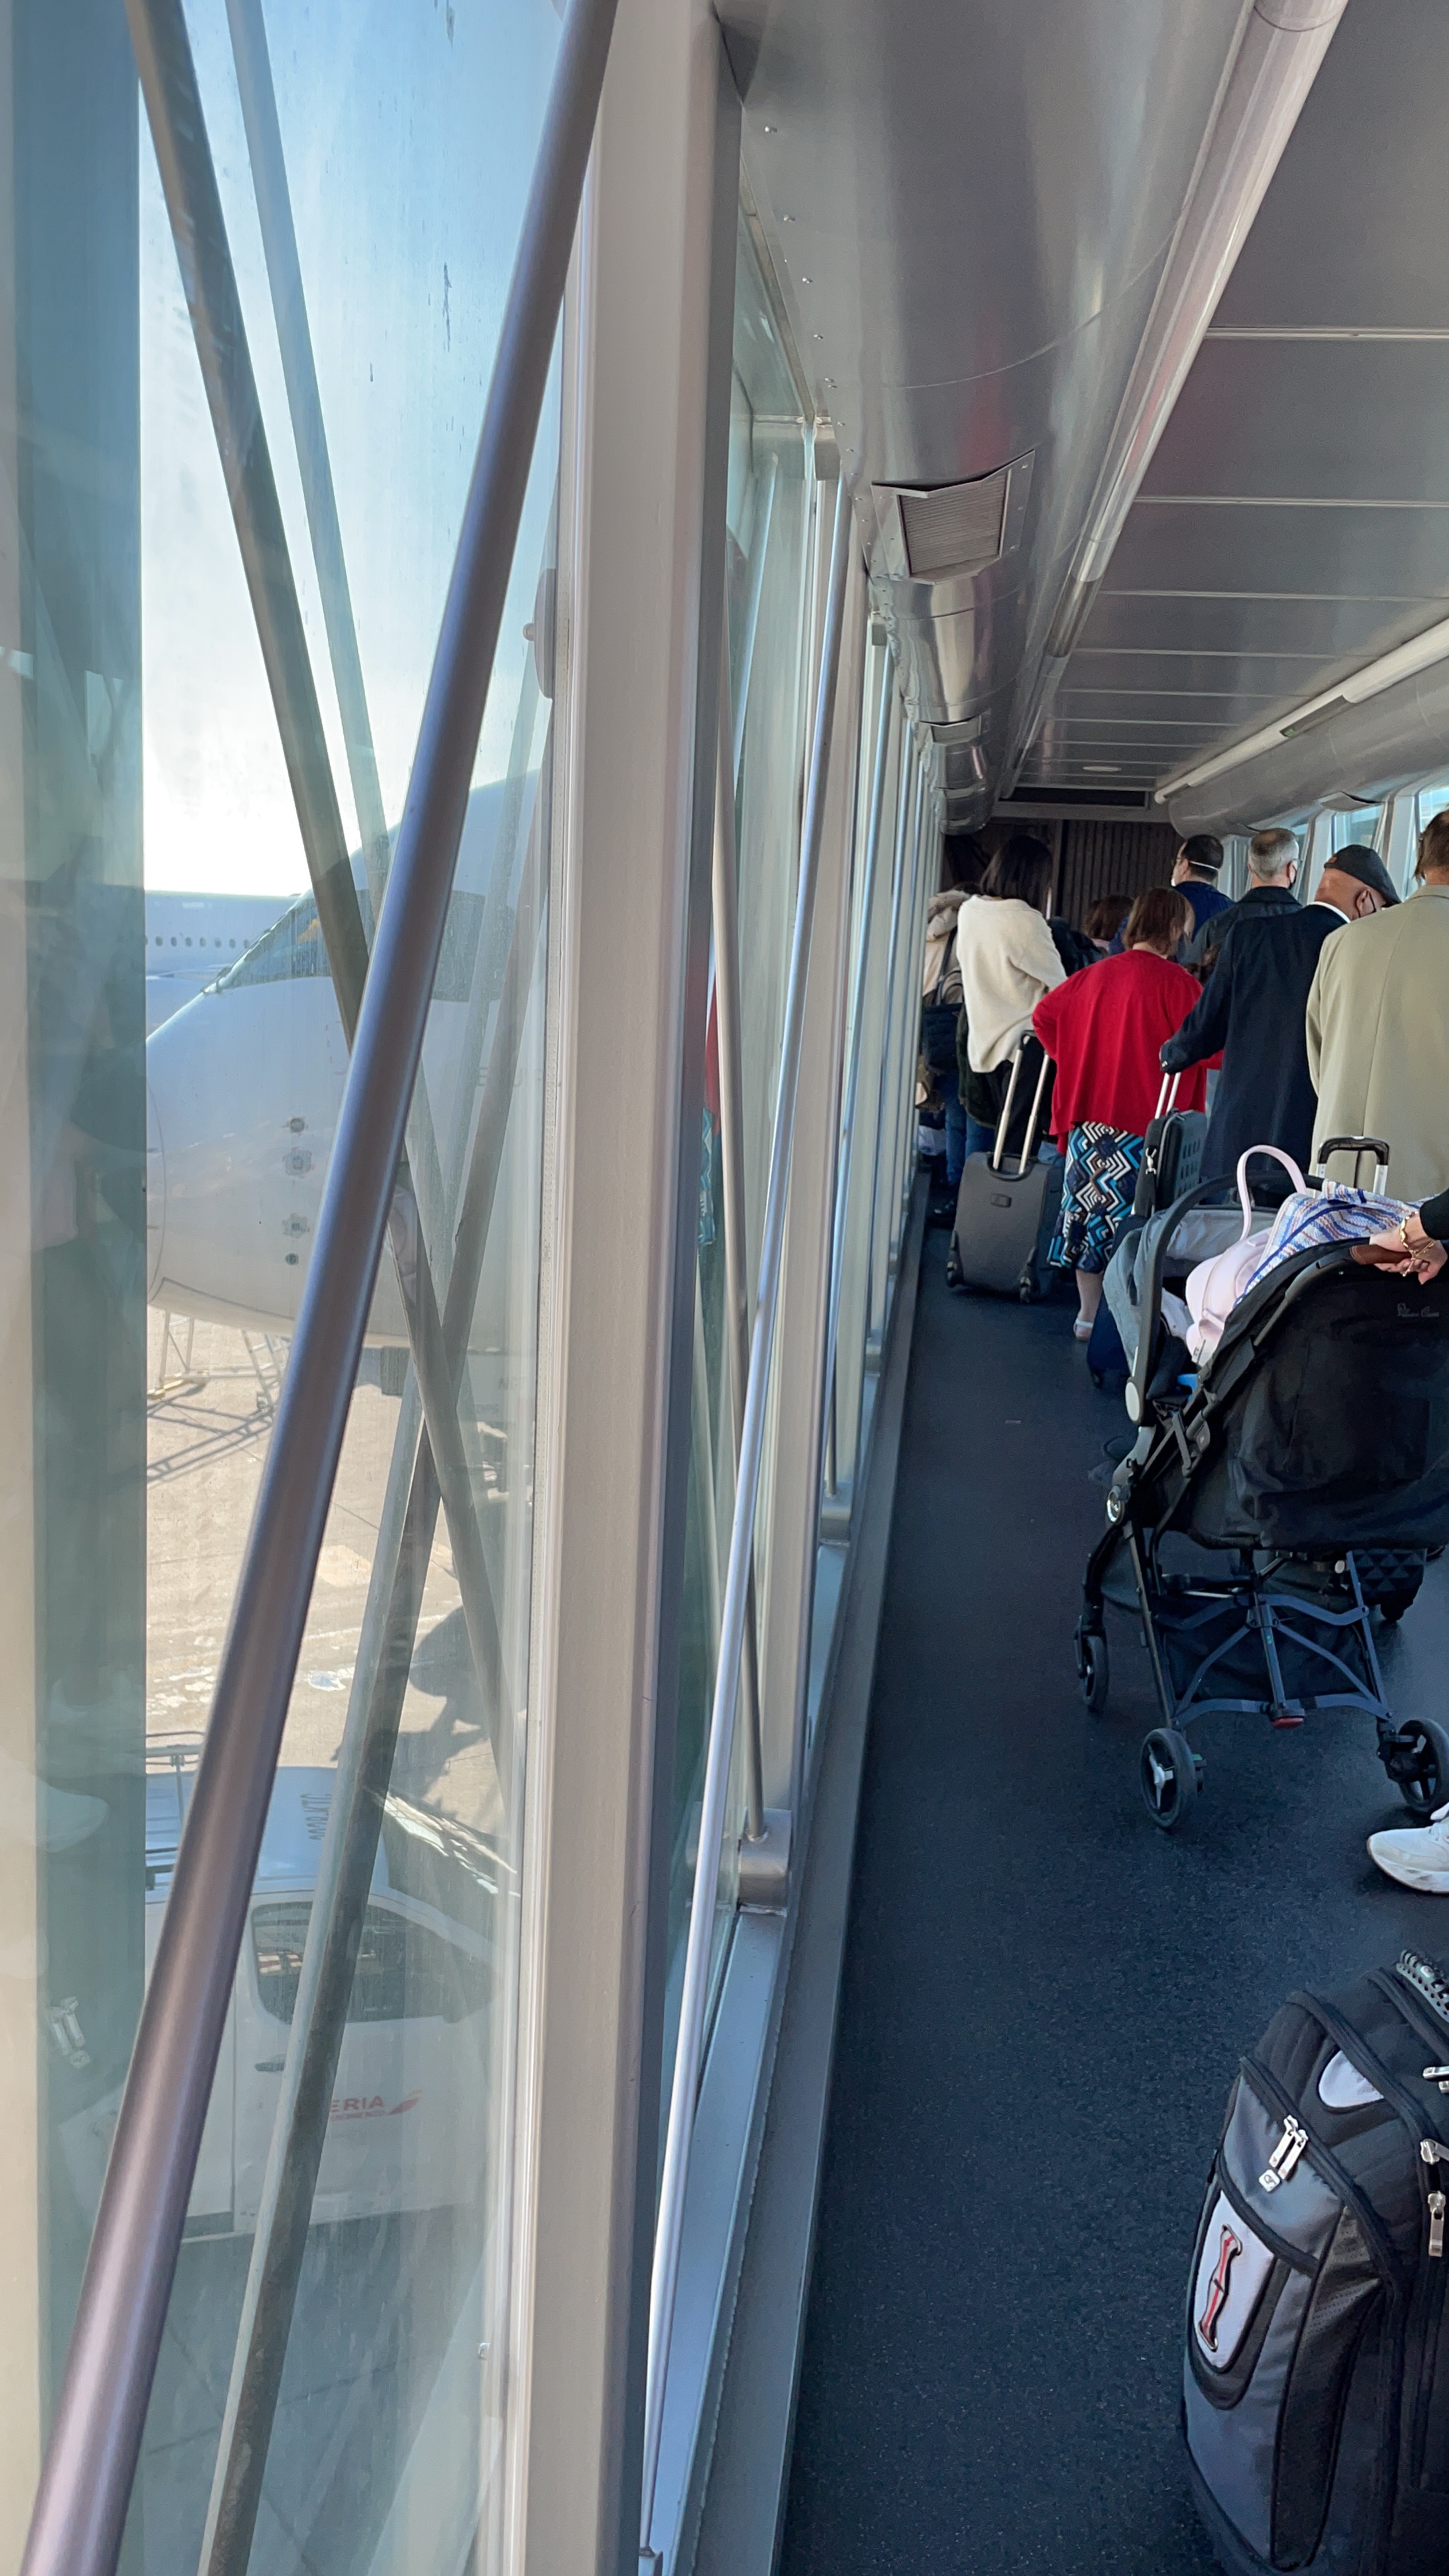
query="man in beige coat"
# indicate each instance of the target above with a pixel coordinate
(1378, 1030)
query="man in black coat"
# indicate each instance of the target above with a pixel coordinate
(1253, 1006)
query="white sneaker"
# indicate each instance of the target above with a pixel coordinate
(1416, 1855)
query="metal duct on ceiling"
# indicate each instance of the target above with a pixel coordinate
(1352, 757)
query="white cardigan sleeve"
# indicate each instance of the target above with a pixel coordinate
(1033, 949)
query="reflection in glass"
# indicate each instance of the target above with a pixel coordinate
(187, 1171)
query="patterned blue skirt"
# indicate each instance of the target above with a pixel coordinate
(1097, 1192)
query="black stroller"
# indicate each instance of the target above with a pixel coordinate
(1316, 1437)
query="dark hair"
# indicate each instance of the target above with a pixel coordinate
(1021, 872)
(1203, 853)
(1158, 919)
(963, 863)
(1106, 916)
(1434, 845)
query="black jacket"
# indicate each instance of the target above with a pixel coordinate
(1253, 1008)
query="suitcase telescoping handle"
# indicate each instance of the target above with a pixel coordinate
(1144, 1195)
(1029, 1143)
(1358, 1146)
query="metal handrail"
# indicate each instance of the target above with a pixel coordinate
(852, 1078)
(95, 2439)
(273, 197)
(689, 2045)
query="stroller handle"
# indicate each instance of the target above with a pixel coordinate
(1358, 1146)
(1135, 1397)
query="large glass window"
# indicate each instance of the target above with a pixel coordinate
(370, 164)
(771, 545)
(1429, 802)
(1362, 823)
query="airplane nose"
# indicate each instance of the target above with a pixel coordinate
(155, 1193)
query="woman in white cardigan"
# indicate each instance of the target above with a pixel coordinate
(1008, 959)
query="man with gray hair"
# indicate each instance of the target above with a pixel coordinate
(1269, 854)
(1256, 998)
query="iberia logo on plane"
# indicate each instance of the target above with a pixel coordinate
(358, 2106)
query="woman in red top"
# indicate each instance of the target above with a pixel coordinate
(1104, 1027)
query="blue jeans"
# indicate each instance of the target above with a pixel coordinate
(978, 1139)
(957, 1124)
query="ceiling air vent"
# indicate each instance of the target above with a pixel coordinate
(955, 527)
(949, 532)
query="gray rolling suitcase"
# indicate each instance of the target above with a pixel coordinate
(1007, 1208)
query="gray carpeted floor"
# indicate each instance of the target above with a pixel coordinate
(1043, 2003)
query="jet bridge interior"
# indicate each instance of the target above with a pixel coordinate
(580, 1990)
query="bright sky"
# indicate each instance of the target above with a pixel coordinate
(409, 128)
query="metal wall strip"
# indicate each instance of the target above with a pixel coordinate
(690, 2043)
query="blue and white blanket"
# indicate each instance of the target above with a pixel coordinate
(1312, 1218)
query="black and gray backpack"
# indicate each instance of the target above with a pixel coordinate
(1317, 2382)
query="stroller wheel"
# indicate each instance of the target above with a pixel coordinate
(1417, 1761)
(1094, 1670)
(1170, 1778)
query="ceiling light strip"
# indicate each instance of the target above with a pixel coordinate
(1402, 664)
(1258, 107)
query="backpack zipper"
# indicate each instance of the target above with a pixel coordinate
(1325, 2163)
(1428, 2295)
(1285, 2155)
(1433, 2155)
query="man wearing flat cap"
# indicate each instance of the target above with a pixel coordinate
(1378, 1029)
(1253, 1006)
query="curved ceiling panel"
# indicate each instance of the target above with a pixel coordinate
(968, 208)
(1294, 523)
(1356, 758)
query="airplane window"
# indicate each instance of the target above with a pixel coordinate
(404, 1972)
(294, 947)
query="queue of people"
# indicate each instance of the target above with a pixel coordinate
(1327, 1018)
(1252, 1009)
